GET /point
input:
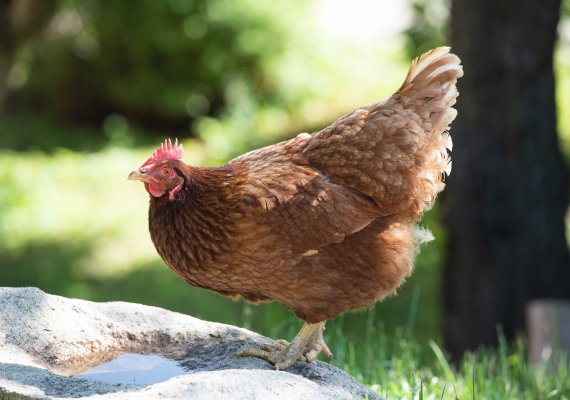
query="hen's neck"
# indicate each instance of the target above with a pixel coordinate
(197, 225)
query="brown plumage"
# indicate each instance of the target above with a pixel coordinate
(323, 224)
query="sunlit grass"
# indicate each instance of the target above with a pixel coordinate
(73, 197)
(404, 366)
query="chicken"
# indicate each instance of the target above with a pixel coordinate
(321, 223)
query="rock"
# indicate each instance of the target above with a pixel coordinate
(46, 339)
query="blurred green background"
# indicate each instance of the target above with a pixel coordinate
(90, 88)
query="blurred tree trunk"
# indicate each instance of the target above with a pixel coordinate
(19, 20)
(505, 201)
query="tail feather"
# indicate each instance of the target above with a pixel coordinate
(430, 86)
(435, 65)
(429, 90)
(396, 151)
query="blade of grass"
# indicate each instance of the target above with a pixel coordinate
(443, 363)
(443, 393)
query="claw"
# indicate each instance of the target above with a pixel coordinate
(306, 346)
(326, 351)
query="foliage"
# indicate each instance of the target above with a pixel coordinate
(234, 74)
(158, 63)
(429, 28)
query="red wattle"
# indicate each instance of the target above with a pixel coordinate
(153, 189)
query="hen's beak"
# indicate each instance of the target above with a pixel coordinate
(137, 176)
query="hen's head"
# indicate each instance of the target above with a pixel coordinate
(162, 172)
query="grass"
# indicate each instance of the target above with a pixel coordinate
(402, 367)
(4, 395)
(405, 365)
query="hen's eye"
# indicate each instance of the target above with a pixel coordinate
(166, 172)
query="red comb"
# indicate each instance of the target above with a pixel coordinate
(165, 152)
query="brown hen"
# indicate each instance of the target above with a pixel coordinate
(323, 224)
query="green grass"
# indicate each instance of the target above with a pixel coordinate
(402, 367)
(404, 364)
(4, 395)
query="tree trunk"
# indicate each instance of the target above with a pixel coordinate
(506, 197)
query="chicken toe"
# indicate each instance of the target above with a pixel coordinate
(307, 345)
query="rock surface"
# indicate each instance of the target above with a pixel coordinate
(45, 339)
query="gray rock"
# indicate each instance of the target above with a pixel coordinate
(46, 339)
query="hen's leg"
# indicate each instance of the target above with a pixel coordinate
(308, 344)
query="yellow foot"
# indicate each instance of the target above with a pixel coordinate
(306, 346)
